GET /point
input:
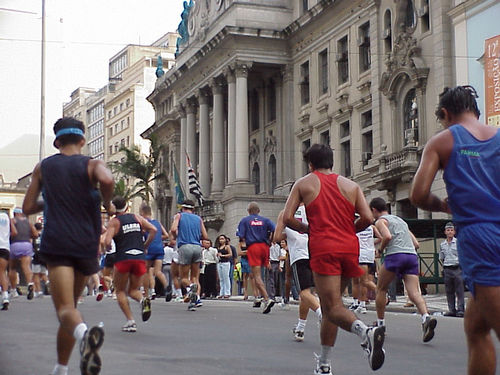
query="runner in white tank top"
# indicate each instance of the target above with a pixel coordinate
(6, 228)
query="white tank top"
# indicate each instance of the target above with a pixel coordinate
(366, 245)
(4, 231)
(297, 242)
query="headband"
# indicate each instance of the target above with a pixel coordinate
(65, 131)
(120, 210)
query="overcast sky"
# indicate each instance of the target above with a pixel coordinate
(82, 35)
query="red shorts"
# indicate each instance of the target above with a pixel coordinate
(258, 254)
(136, 267)
(336, 264)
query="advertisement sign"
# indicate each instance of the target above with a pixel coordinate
(492, 80)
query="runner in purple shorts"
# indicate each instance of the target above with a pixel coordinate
(400, 260)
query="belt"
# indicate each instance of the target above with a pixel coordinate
(452, 267)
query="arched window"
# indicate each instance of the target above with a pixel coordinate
(410, 119)
(410, 16)
(256, 177)
(387, 33)
(272, 174)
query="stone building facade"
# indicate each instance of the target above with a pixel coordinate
(257, 82)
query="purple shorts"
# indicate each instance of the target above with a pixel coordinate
(21, 249)
(402, 264)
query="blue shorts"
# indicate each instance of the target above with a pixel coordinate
(155, 256)
(245, 267)
(479, 254)
(402, 264)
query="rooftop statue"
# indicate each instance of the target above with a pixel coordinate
(182, 29)
(159, 68)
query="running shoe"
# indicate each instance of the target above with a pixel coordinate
(99, 296)
(298, 335)
(179, 299)
(256, 303)
(428, 328)
(30, 294)
(193, 296)
(284, 306)
(267, 306)
(19, 291)
(130, 327)
(191, 306)
(353, 306)
(5, 304)
(198, 303)
(373, 344)
(168, 293)
(146, 309)
(360, 310)
(152, 294)
(322, 368)
(90, 362)
(14, 293)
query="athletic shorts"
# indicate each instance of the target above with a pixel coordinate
(154, 257)
(38, 268)
(21, 249)
(402, 264)
(336, 264)
(109, 260)
(136, 267)
(302, 274)
(189, 254)
(245, 267)
(479, 253)
(86, 266)
(4, 254)
(258, 254)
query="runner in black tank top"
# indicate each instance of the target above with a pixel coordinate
(130, 265)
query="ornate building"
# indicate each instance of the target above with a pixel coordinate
(257, 82)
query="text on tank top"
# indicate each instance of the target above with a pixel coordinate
(23, 231)
(331, 220)
(401, 240)
(366, 240)
(472, 175)
(297, 242)
(128, 240)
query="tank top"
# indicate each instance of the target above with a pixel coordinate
(473, 171)
(331, 220)
(23, 231)
(223, 251)
(128, 240)
(156, 247)
(189, 231)
(72, 207)
(4, 231)
(401, 240)
(366, 245)
(297, 242)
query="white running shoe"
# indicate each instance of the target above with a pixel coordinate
(360, 310)
(130, 327)
(322, 368)
(298, 335)
(373, 345)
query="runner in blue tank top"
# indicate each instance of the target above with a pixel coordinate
(469, 154)
(70, 241)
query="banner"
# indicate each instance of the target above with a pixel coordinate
(179, 192)
(194, 186)
(492, 80)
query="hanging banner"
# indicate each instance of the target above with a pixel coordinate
(492, 80)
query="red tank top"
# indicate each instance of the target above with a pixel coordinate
(331, 220)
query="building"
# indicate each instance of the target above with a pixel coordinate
(256, 83)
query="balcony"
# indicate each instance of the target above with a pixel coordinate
(212, 213)
(398, 167)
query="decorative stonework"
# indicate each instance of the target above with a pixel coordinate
(271, 143)
(254, 152)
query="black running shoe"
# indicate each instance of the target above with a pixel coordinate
(5, 304)
(30, 291)
(19, 291)
(428, 328)
(268, 306)
(256, 303)
(373, 346)
(90, 362)
(168, 294)
(146, 309)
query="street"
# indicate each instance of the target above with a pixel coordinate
(222, 337)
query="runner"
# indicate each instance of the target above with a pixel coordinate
(70, 240)
(301, 270)
(38, 267)
(7, 229)
(130, 265)
(331, 202)
(469, 154)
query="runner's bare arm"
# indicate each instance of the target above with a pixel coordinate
(365, 214)
(381, 225)
(204, 234)
(34, 232)
(415, 241)
(291, 205)
(31, 204)
(280, 227)
(174, 229)
(164, 233)
(102, 175)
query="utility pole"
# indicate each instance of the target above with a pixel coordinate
(42, 98)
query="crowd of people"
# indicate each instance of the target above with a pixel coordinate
(326, 235)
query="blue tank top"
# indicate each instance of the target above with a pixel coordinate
(189, 229)
(128, 240)
(155, 247)
(472, 178)
(72, 207)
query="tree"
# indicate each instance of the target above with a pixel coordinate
(143, 169)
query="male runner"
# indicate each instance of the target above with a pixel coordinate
(70, 240)
(331, 202)
(255, 232)
(38, 267)
(469, 154)
(400, 260)
(7, 229)
(130, 265)
(188, 229)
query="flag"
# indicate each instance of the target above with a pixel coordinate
(179, 192)
(194, 186)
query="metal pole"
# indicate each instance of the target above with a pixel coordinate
(42, 99)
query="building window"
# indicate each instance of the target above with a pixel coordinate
(271, 101)
(345, 149)
(256, 177)
(410, 119)
(366, 119)
(121, 107)
(127, 103)
(345, 130)
(365, 59)
(272, 174)
(423, 13)
(128, 140)
(128, 122)
(116, 147)
(343, 60)
(387, 32)
(255, 110)
(324, 138)
(305, 146)
(305, 6)
(410, 19)
(109, 115)
(323, 71)
(111, 150)
(304, 83)
(111, 131)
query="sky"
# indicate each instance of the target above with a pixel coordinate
(81, 35)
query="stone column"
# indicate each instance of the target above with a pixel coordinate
(191, 133)
(231, 125)
(182, 159)
(218, 144)
(288, 125)
(204, 155)
(242, 147)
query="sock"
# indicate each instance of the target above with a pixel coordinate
(362, 303)
(325, 353)
(5, 295)
(318, 312)
(424, 317)
(60, 370)
(359, 328)
(79, 331)
(356, 301)
(380, 322)
(131, 321)
(30, 284)
(301, 325)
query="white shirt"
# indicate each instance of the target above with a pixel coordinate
(297, 242)
(4, 231)
(366, 245)
(169, 254)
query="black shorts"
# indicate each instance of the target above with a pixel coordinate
(5, 254)
(87, 266)
(302, 274)
(109, 260)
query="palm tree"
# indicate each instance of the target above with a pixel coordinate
(143, 169)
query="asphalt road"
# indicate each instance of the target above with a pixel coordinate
(222, 337)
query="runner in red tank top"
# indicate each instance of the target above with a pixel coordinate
(331, 202)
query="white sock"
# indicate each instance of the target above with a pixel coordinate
(359, 328)
(356, 301)
(325, 353)
(362, 303)
(178, 292)
(318, 312)
(60, 370)
(301, 325)
(424, 317)
(5, 295)
(131, 321)
(79, 331)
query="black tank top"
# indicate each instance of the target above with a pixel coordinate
(23, 231)
(72, 207)
(128, 241)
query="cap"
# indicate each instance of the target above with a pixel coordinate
(449, 224)
(18, 210)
